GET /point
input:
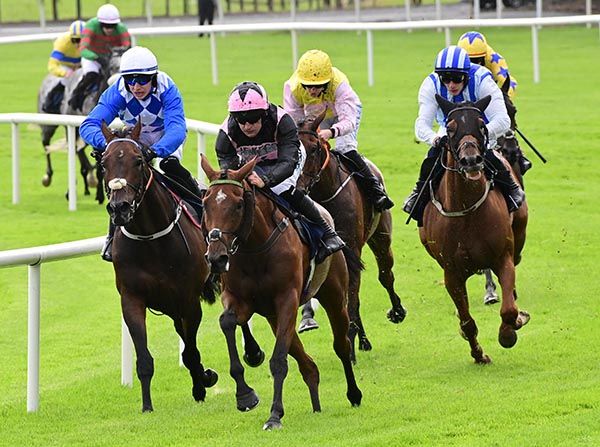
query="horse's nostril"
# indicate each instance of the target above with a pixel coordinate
(478, 160)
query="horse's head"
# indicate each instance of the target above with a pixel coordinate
(467, 134)
(126, 173)
(228, 213)
(317, 152)
(511, 109)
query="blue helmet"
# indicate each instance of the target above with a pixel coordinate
(454, 59)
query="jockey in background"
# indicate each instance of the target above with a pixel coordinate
(457, 80)
(143, 93)
(64, 60)
(316, 85)
(257, 128)
(481, 53)
(101, 34)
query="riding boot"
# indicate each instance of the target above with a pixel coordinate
(302, 203)
(369, 183)
(524, 162)
(78, 95)
(410, 205)
(106, 252)
(53, 99)
(173, 168)
(510, 189)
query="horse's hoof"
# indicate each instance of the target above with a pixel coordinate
(483, 360)
(396, 315)
(364, 344)
(307, 324)
(254, 360)
(507, 337)
(199, 392)
(523, 318)
(147, 409)
(210, 378)
(46, 180)
(248, 401)
(491, 298)
(355, 397)
(273, 424)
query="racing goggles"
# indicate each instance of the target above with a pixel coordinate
(75, 40)
(323, 86)
(451, 76)
(141, 79)
(250, 117)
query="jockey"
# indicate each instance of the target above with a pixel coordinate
(100, 36)
(64, 60)
(143, 93)
(316, 85)
(457, 80)
(257, 128)
(481, 53)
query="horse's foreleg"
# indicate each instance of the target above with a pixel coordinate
(47, 133)
(85, 168)
(490, 297)
(456, 287)
(134, 314)
(100, 188)
(308, 369)
(381, 246)
(512, 318)
(245, 396)
(253, 355)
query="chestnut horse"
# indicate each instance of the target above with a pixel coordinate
(332, 185)
(157, 256)
(266, 270)
(467, 226)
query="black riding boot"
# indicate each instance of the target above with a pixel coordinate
(171, 166)
(331, 242)
(106, 252)
(524, 162)
(369, 183)
(78, 95)
(510, 189)
(410, 205)
(54, 98)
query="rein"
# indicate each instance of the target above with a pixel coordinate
(463, 212)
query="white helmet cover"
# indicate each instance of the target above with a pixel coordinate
(108, 14)
(138, 60)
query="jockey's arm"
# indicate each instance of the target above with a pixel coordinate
(175, 128)
(498, 120)
(346, 108)
(288, 153)
(106, 111)
(55, 67)
(226, 153)
(291, 105)
(428, 107)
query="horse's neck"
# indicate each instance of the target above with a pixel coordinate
(330, 180)
(263, 221)
(456, 192)
(156, 210)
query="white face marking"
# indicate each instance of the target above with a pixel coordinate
(117, 183)
(221, 196)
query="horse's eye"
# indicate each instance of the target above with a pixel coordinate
(239, 206)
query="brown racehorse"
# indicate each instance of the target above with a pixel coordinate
(157, 256)
(356, 221)
(467, 226)
(266, 269)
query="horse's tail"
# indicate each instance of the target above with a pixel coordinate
(354, 263)
(211, 288)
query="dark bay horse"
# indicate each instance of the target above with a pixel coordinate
(158, 257)
(467, 226)
(332, 185)
(266, 270)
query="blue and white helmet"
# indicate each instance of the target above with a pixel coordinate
(138, 60)
(454, 59)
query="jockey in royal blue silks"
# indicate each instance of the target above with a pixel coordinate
(144, 94)
(257, 128)
(457, 80)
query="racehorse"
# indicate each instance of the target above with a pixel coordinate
(266, 270)
(467, 227)
(157, 256)
(61, 106)
(332, 185)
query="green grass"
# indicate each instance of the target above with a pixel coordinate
(419, 383)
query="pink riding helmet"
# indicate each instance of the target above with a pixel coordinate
(247, 96)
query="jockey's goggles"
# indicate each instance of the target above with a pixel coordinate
(108, 25)
(250, 117)
(451, 76)
(308, 87)
(137, 78)
(75, 40)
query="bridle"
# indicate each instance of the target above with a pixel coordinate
(455, 151)
(315, 178)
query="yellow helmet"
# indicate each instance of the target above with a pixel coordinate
(76, 29)
(474, 43)
(314, 68)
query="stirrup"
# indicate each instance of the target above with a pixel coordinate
(106, 253)
(410, 201)
(383, 203)
(333, 244)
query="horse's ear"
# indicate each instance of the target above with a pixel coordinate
(244, 171)
(444, 104)
(135, 133)
(506, 85)
(451, 128)
(318, 119)
(107, 132)
(211, 174)
(483, 103)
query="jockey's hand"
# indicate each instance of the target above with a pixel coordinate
(148, 153)
(68, 73)
(325, 134)
(254, 179)
(96, 155)
(441, 142)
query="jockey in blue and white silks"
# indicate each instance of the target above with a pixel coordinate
(457, 80)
